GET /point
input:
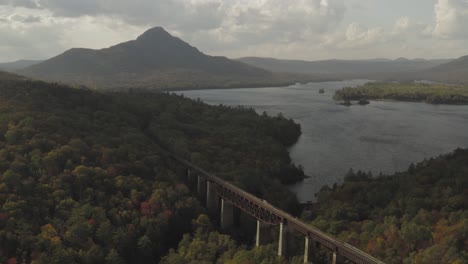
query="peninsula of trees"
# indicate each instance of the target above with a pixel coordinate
(412, 92)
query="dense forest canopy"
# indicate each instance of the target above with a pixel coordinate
(417, 216)
(207, 245)
(82, 181)
(413, 92)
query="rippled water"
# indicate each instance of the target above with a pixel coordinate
(379, 137)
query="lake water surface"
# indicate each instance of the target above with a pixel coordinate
(380, 137)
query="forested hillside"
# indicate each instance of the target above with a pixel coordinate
(455, 71)
(418, 216)
(82, 181)
(207, 245)
(6, 76)
(17, 65)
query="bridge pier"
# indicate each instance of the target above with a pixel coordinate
(199, 184)
(191, 180)
(306, 249)
(201, 188)
(282, 239)
(227, 214)
(259, 237)
(211, 197)
(338, 258)
(189, 176)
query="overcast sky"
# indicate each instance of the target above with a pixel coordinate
(296, 29)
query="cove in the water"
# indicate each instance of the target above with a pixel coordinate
(380, 137)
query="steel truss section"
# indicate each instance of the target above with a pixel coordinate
(254, 209)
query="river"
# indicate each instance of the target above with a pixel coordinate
(380, 137)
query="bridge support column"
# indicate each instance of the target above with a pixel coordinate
(334, 257)
(201, 188)
(282, 239)
(227, 214)
(189, 176)
(259, 240)
(199, 184)
(191, 181)
(306, 249)
(211, 197)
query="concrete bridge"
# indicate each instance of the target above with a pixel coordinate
(230, 196)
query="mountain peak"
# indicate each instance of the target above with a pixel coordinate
(155, 33)
(155, 58)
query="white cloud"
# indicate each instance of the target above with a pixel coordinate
(177, 14)
(20, 3)
(407, 28)
(402, 24)
(37, 34)
(35, 41)
(304, 29)
(354, 36)
(451, 19)
(250, 23)
(359, 35)
(210, 23)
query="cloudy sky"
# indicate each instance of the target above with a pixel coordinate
(296, 29)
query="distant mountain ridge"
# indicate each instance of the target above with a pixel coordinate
(155, 59)
(455, 71)
(5, 76)
(373, 68)
(17, 65)
(158, 60)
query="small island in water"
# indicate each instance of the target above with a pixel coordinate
(412, 92)
(346, 103)
(363, 102)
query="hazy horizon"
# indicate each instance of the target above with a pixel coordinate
(297, 29)
(265, 57)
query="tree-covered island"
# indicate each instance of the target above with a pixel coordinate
(411, 92)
